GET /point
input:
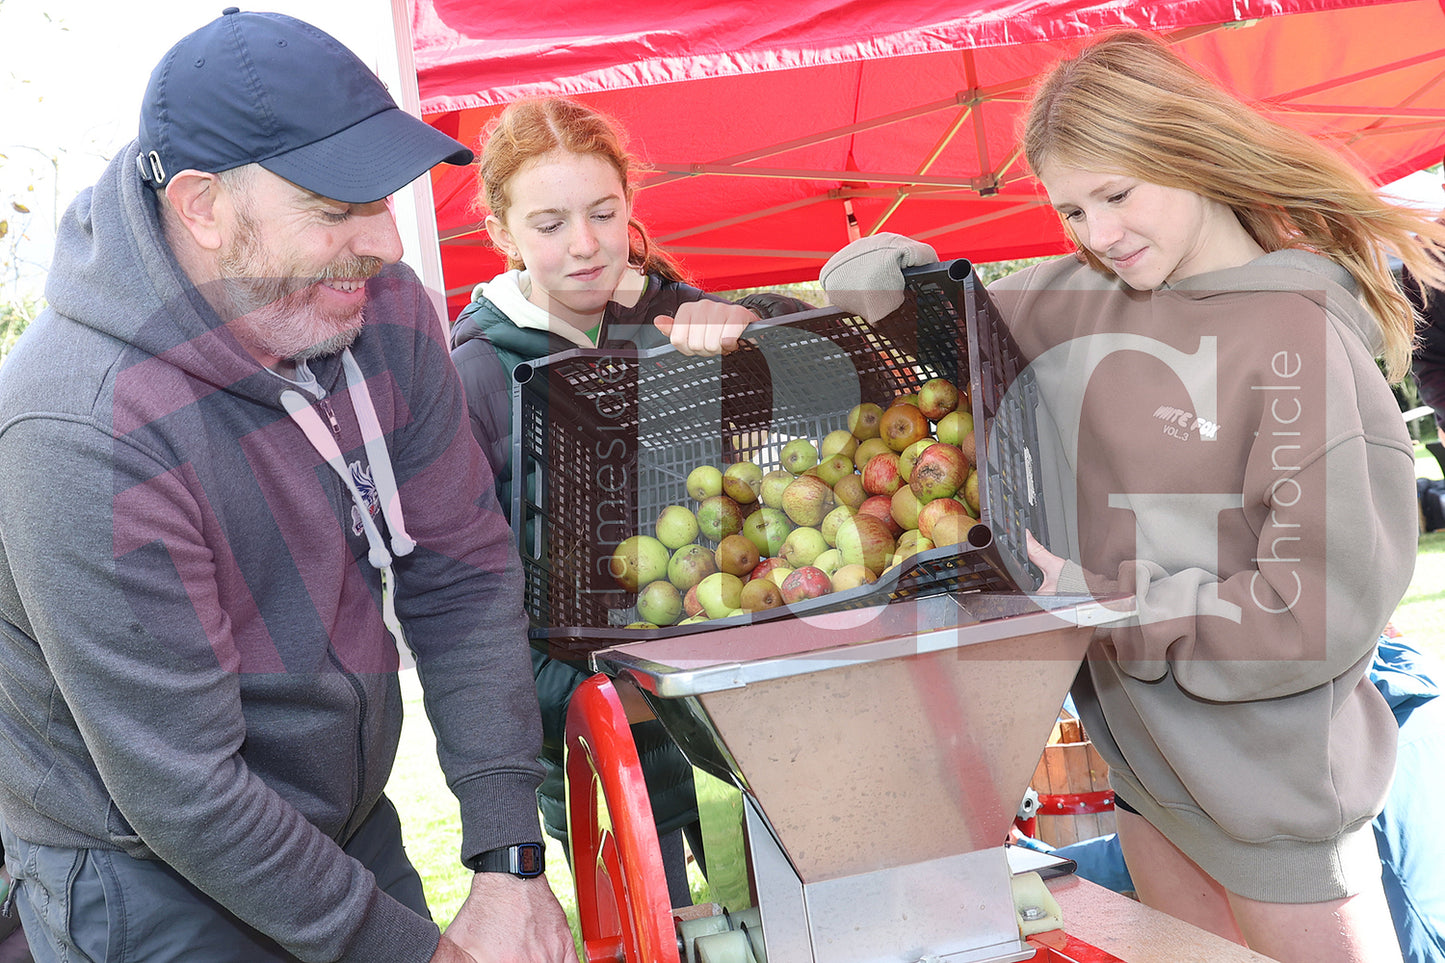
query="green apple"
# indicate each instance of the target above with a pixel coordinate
(802, 546)
(832, 520)
(704, 481)
(741, 482)
(638, 560)
(690, 565)
(718, 517)
(676, 526)
(953, 426)
(833, 468)
(767, 528)
(838, 442)
(659, 602)
(799, 455)
(829, 561)
(863, 421)
(719, 594)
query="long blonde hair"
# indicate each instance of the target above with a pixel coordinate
(528, 129)
(1128, 104)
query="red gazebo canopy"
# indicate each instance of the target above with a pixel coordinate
(773, 139)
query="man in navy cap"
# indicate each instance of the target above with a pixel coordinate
(239, 494)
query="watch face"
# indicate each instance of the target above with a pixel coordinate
(530, 859)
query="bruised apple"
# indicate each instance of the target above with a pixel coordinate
(718, 517)
(690, 565)
(806, 583)
(939, 472)
(849, 491)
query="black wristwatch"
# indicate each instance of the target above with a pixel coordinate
(524, 859)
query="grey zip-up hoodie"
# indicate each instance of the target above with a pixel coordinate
(196, 667)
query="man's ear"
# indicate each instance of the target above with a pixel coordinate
(196, 199)
(502, 238)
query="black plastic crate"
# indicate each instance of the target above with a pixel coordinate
(604, 439)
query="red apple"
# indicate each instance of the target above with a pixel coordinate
(881, 508)
(762, 569)
(866, 540)
(690, 605)
(880, 475)
(935, 510)
(937, 398)
(805, 583)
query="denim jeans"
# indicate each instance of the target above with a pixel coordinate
(102, 906)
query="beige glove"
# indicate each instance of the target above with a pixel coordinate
(866, 277)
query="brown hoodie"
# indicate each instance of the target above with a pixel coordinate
(1228, 451)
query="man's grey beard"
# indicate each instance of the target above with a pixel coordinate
(332, 345)
(263, 300)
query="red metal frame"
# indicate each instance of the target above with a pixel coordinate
(623, 906)
(1067, 804)
(1057, 946)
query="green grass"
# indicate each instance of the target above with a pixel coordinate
(430, 822)
(429, 810)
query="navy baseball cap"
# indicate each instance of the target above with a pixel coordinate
(269, 89)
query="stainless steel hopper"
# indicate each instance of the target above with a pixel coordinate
(882, 754)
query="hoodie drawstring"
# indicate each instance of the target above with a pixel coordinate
(389, 498)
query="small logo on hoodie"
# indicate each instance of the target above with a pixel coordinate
(361, 477)
(1182, 424)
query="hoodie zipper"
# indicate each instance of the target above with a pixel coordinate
(330, 416)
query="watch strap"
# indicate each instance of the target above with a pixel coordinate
(525, 860)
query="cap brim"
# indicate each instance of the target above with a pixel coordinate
(369, 160)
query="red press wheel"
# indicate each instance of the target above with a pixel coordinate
(623, 906)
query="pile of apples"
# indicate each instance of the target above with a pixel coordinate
(837, 514)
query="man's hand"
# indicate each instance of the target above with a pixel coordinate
(706, 327)
(449, 952)
(511, 920)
